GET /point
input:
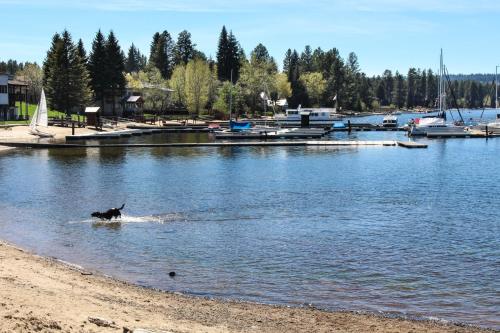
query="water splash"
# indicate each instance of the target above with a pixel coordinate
(158, 218)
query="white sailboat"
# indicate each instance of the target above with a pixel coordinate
(436, 125)
(40, 119)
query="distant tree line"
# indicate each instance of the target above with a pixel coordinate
(232, 81)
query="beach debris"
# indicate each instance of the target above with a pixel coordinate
(101, 322)
(171, 274)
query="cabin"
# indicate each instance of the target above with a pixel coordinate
(134, 105)
(93, 115)
(12, 91)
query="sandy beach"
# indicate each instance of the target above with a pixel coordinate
(46, 295)
(21, 133)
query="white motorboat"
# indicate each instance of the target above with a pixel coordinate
(390, 121)
(318, 116)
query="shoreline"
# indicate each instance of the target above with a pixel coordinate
(47, 294)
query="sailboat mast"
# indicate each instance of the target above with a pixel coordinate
(440, 79)
(231, 98)
(441, 90)
(496, 87)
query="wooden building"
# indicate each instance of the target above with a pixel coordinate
(133, 106)
(93, 115)
(13, 91)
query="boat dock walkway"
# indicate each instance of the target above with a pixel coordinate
(318, 143)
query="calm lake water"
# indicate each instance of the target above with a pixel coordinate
(406, 232)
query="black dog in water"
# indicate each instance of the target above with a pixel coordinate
(109, 214)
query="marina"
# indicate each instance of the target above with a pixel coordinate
(249, 167)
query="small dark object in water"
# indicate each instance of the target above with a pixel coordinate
(171, 274)
(109, 214)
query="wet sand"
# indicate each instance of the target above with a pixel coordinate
(46, 295)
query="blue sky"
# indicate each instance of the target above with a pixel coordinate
(385, 34)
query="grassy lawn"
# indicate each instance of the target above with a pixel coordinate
(31, 111)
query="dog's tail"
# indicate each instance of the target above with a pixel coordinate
(121, 207)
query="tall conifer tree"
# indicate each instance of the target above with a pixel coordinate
(97, 67)
(115, 66)
(184, 49)
(222, 56)
(67, 79)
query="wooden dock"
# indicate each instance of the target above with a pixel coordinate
(465, 135)
(319, 143)
(298, 133)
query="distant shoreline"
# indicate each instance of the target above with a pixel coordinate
(43, 293)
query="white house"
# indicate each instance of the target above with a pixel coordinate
(4, 95)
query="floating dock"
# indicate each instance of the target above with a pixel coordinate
(466, 135)
(411, 144)
(299, 133)
(318, 143)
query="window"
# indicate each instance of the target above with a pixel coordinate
(3, 89)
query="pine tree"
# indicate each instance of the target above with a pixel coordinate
(229, 57)
(352, 83)
(162, 53)
(67, 78)
(135, 61)
(131, 63)
(223, 67)
(317, 59)
(306, 60)
(422, 89)
(412, 83)
(432, 87)
(48, 64)
(286, 61)
(382, 98)
(388, 85)
(260, 54)
(299, 94)
(399, 91)
(184, 49)
(115, 66)
(153, 49)
(234, 56)
(98, 67)
(81, 51)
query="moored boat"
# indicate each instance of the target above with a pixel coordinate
(390, 121)
(40, 119)
(323, 116)
(435, 126)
